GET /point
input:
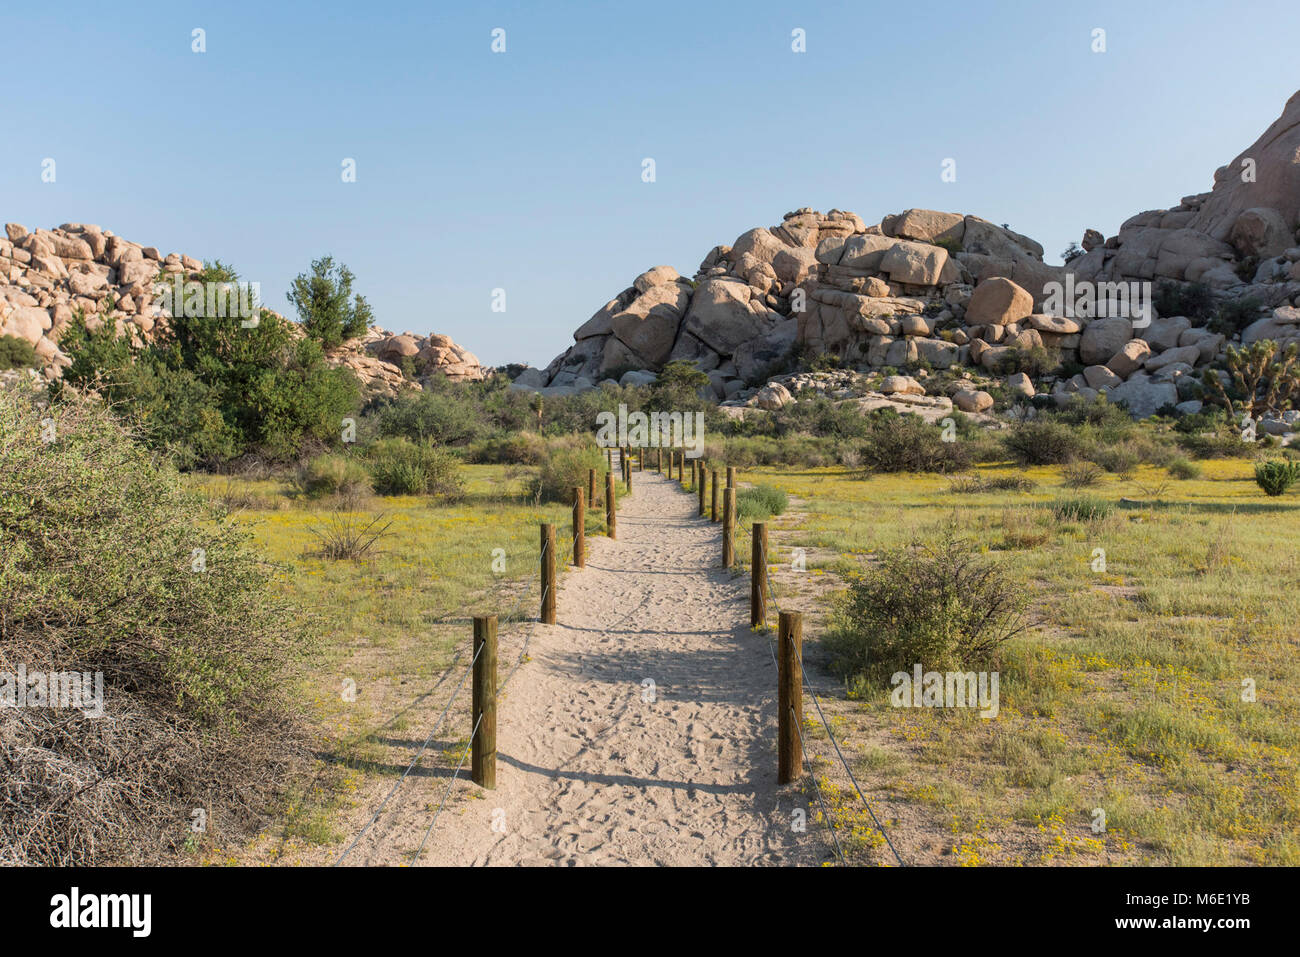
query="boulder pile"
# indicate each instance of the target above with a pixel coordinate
(47, 276)
(925, 289)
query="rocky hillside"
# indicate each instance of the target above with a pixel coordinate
(933, 290)
(46, 276)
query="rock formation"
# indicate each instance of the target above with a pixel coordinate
(933, 290)
(46, 276)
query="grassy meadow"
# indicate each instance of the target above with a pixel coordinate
(1124, 696)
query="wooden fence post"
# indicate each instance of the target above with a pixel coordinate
(728, 528)
(703, 481)
(591, 487)
(681, 465)
(579, 528)
(483, 763)
(715, 516)
(731, 476)
(548, 574)
(609, 505)
(758, 577)
(789, 698)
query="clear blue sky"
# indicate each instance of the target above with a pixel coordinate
(522, 170)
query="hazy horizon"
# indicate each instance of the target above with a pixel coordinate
(522, 170)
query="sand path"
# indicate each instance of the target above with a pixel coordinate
(588, 771)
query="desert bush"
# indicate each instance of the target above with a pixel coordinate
(403, 467)
(333, 474)
(446, 415)
(907, 443)
(1184, 468)
(1082, 508)
(348, 536)
(1121, 460)
(1220, 444)
(566, 466)
(17, 353)
(1276, 476)
(935, 603)
(760, 503)
(206, 390)
(514, 448)
(1043, 441)
(970, 484)
(1194, 300)
(1081, 475)
(109, 565)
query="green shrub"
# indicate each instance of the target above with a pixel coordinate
(515, 448)
(760, 503)
(1183, 468)
(403, 467)
(969, 484)
(1083, 508)
(327, 309)
(17, 353)
(1194, 300)
(566, 466)
(907, 443)
(333, 474)
(1081, 475)
(208, 390)
(1276, 476)
(1043, 441)
(109, 565)
(937, 604)
(445, 416)
(1122, 459)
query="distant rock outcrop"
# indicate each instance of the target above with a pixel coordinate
(46, 276)
(931, 289)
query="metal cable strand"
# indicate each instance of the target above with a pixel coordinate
(771, 587)
(459, 764)
(836, 745)
(410, 766)
(830, 824)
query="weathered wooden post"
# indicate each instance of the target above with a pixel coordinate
(789, 698)
(758, 577)
(548, 574)
(609, 505)
(681, 465)
(714, 517)
(703, 481)
(579, 528)
(591, 487)
(728, 527)
(731, 476)
(659, 461)
(483, 763)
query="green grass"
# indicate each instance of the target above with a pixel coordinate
(1126, 693)
(394, 622)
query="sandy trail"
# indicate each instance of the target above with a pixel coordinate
(590, 773)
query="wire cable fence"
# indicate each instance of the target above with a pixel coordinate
(516, 615)
(773, 600)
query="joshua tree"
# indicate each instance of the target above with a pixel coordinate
(1264, 378)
